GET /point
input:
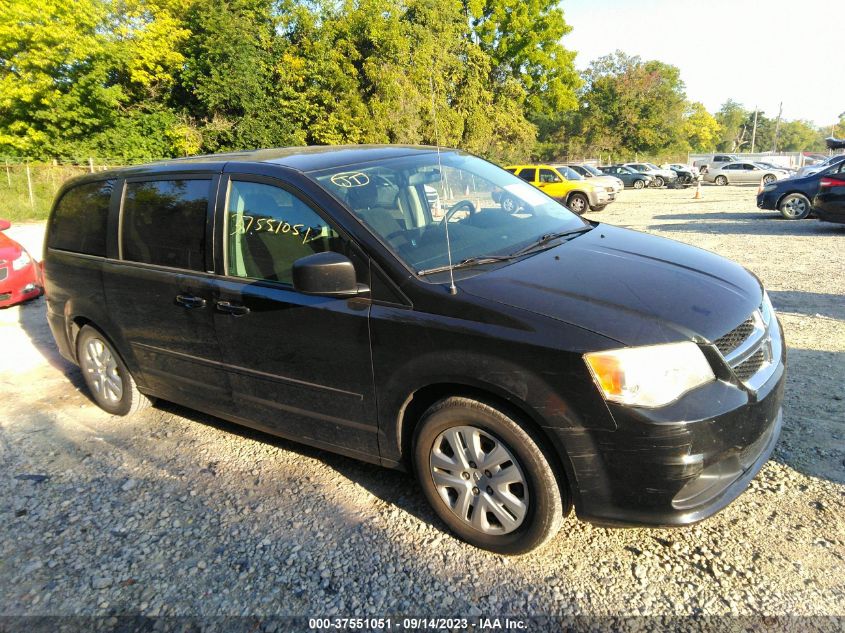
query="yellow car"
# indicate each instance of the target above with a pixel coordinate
(562, 184)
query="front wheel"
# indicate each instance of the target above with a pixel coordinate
(598, 207)
(721, 180)
(486, 477)
(658, 182)
(795, 206)
(106, 376)
(578, 203)
(639, 184)
(769, 179)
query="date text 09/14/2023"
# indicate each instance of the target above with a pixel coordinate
(417, 624)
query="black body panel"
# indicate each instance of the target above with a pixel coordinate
(352, 375)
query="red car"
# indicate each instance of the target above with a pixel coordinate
(20, 275)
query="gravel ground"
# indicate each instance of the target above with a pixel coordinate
(176, 513)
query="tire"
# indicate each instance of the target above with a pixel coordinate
(597, 208)
(533, 495)
(795, 206)
(721, 181)
(509, 204)
(769, 179)
(658, 182)
(578, 203)
(639, 184)
(106, 376)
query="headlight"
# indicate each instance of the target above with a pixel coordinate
(650, 376)
(22, 261)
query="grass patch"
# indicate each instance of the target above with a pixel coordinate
(15, 204)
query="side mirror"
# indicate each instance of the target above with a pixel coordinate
(326, 274)
(4, 224)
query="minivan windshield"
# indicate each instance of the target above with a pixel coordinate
(408, 202)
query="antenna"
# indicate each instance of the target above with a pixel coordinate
(452, 288)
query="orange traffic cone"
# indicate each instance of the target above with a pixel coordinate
(760, 188)
(697, 195)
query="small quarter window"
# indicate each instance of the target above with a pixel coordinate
(268, 229)
(164, 222)
(79, 220)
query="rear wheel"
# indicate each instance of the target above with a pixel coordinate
(795, 206)
(486, 477)
(578, 203)
(659, 182)
(106, 376)
(721, 181)
(639, 184)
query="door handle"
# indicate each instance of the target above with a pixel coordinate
(190, 301)
(233, 309)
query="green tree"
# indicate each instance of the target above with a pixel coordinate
(632, 106)
(733, 121)
(800, 136)
(55, 84)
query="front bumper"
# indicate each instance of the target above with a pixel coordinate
(767, 200)
(678, 464)
(598, 198)
(18, 286)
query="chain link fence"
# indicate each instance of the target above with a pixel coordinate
(27, 188)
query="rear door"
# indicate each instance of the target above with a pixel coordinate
(159, 290)
(299, 365)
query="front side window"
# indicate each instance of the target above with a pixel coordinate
(79, 221)
(268, 229)
(163, 222)
(409, 201)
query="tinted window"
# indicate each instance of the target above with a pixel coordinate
(527, 175)
(164, 222)
(79, 221)
(268, 229)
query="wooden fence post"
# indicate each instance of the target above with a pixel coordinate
(8, 174)
(91, 164)
(29, 185)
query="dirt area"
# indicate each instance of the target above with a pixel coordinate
(176, 513)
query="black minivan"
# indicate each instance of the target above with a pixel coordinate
(376, 302)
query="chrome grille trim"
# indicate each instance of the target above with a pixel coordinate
(754, 359)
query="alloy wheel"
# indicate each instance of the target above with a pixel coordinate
(101, 368)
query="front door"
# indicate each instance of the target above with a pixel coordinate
(159, 290)
(299, 365)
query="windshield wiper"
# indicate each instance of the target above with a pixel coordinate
(549, 237)
(471, 261)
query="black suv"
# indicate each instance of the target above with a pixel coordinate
(376, 302)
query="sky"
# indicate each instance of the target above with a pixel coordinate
(757, 52)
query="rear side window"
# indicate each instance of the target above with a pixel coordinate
(163, 222)
(528, 174)
(79, 220)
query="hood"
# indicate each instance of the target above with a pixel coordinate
(9, 248)
(635, 288)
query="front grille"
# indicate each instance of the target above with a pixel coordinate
(748, 368)
(733, 339)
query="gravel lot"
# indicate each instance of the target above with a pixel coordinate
(176, 513)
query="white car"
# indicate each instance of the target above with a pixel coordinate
(744, 172)
(809, 170)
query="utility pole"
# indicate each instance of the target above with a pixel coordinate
(754, 130)
(777, 128)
